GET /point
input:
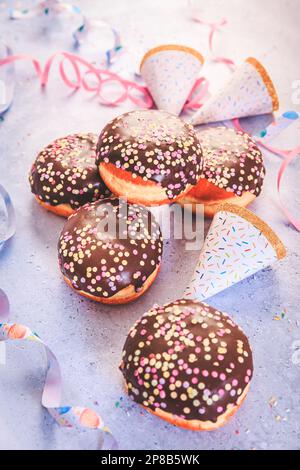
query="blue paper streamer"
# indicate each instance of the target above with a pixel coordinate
(80, 35)
(10, 220)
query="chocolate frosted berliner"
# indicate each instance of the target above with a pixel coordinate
(149, 157)
(233, 170)
(110, 251)
(64, 175)
(187, 363)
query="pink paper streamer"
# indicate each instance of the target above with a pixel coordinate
(214, 28)
(68, 416)
(102, 76)
(197, 94)
(82, 69)
(226, 61)
(288, 156)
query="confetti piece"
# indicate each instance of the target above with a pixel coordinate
(283, 313)
(273, 402)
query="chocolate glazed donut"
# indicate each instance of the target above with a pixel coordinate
(64, 175)
(188, 363)
(149, 156)
(233, 170)
(110, 251)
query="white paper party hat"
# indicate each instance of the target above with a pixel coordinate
(249, 92)
(170, 72)
(237, 245)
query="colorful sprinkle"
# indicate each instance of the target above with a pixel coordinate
(231, 160)
(65, 172)
(102, 247)
(153, 145)
(161, 373)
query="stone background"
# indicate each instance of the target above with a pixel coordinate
(88, 337)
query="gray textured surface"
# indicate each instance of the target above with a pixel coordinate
(88, 337)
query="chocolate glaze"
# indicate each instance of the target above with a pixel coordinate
(187, 359)
(231, 160)
(65, 172)
(101, 257)
(153, 145)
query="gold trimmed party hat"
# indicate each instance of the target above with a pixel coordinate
(249, 92)
(238, 245)
(170, 71)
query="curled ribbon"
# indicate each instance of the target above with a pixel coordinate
(288, 156)
(214, 28)
(68, 416)
(128, 88)
(46, 7)
(7, 80)
(101, 76)
(197, 94)
(81, 34)
(10, 224)
(87, 26)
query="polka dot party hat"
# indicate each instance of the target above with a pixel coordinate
(249, 92)
(238, 245)
(170, 71)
